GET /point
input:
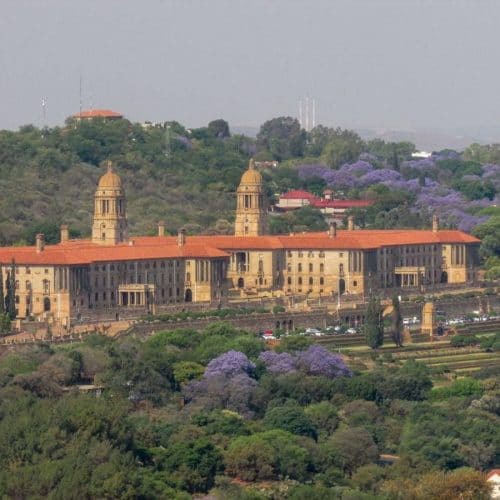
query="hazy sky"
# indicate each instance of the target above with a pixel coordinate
(372, 63)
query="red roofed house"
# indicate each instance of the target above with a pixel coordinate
(493, 477)
(89, 114)
(112, 274)
(333, 209)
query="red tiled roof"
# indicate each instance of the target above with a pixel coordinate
(492, 472)
(357, 239)
(341, 203)
(98, 113)
(297, 194)
(82, 252)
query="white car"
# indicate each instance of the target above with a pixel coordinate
(313, 331)
(352, 330)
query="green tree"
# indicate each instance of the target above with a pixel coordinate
(191, 465)
(10, 299)
(290, 417)
(187, 370)
(267, 455)
(5, 323)
(464, 483)
(323, 416)
(2, 296)
(374, 326)
(349, 449)
(219, 128)
(282, 137)
(489, 234)
(344, 146)
(397, 322)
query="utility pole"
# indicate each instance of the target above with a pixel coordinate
(81, 80)
(168, 148)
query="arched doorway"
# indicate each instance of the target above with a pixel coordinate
(341, 286)
(46, 304)
(444, 277)
(241, 283)
(189, 295)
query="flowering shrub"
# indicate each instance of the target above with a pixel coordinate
(316, 360)
(418, 178)
(319, 361)
(379, 176)
(278, 362)
(228, 364)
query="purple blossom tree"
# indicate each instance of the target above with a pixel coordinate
(411, 186)
(228, 364)
(280, 363)
(492, 172)
(225, 384)
(380, 176)
(312, 170)
(423, 164)
(316, 360)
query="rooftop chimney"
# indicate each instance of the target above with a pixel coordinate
(64, 233)
(40, 242)
(435, 223)
(350, 223)
(181, 238)
(161, 228)
(332, 230)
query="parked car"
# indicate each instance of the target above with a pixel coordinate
(313, 331)
(351, 331)
(262, 333)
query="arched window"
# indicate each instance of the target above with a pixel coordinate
(299, 267)
(300, 281)
(310, 268)
(311, 281)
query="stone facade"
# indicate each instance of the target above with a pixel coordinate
(114, 272)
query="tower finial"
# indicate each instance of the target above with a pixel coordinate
(109, 166)
(251, 164)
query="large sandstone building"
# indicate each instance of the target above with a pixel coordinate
(114, 274)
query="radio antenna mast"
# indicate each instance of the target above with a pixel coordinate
(81, 84)
(44, 112)
(307, 114)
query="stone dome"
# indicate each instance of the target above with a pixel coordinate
(110, 179)
(251, 176)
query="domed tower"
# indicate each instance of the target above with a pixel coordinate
(250, 207)
(110, 216)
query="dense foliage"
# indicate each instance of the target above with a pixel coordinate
(188, 178)
(186, 412)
